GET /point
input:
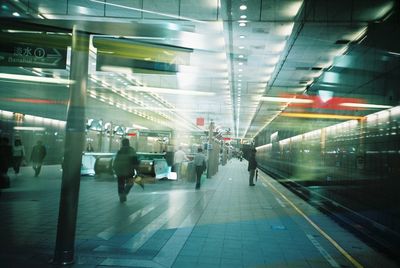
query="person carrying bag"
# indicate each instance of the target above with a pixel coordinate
(124, 165)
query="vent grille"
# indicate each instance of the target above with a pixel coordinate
(260, 30)
(342, 42)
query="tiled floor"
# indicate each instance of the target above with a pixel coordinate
(170, 224)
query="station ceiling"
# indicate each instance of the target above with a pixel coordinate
(245, 65)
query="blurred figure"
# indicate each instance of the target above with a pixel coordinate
(38, 154)
(200, 166)
(89, 147)
(124, 166)
(5, 162)
(252, 166)
(179, 157)
(18, 155)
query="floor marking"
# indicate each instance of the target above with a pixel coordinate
(141, 237)
(330, 239)
(323, 252)
(130, 263)
(170, 251)
(111, 231)
(280, 202)
(264, 185)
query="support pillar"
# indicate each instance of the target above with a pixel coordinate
(74, 143)
(210, 137)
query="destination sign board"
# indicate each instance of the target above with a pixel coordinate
(31, 55)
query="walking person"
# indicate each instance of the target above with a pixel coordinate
(252, 166)
(5, 162)
(124, 166)
(179, 157)
(18, 155)
(200, 166)
(38, 154)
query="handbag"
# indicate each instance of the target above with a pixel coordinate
(130, 181)
(135, 179)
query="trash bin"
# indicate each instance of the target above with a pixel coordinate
(103, 165)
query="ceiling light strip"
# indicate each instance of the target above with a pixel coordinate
(148, 11)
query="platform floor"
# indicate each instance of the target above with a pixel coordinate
(170, 224)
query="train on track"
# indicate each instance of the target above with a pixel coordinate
(351, 168)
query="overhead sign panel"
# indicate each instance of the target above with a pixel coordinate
(23, 50)
(105, 61)
(26, 55)
(126, 48)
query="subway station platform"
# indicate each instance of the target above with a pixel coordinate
(170, 224)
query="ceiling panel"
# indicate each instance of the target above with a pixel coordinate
(85, 7)
(230, 10)
(200, 10)
(129, 12)
(283, 10)
(170, 7)
(48, 6)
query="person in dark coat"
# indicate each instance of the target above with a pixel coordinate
(200, 166)
(124, 166)
(252, 166)
(18, 155)
(5, 161)
(38, 154)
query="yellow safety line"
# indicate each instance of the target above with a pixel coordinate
(330, 239)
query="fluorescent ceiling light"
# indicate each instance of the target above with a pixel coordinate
(35, 78)
(30, 128)
(394, 53)
(291, 100)
(171, 91)
(243, 7)
(139, 126)
(365, 105)
(116, 69)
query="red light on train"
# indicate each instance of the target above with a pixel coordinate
(316, 102)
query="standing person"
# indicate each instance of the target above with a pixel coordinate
(124, 166)
(37, 156)
(89, 148)
(252, 166)
(5, 162)
(18, 155)
(179, 157)
(200, 166)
